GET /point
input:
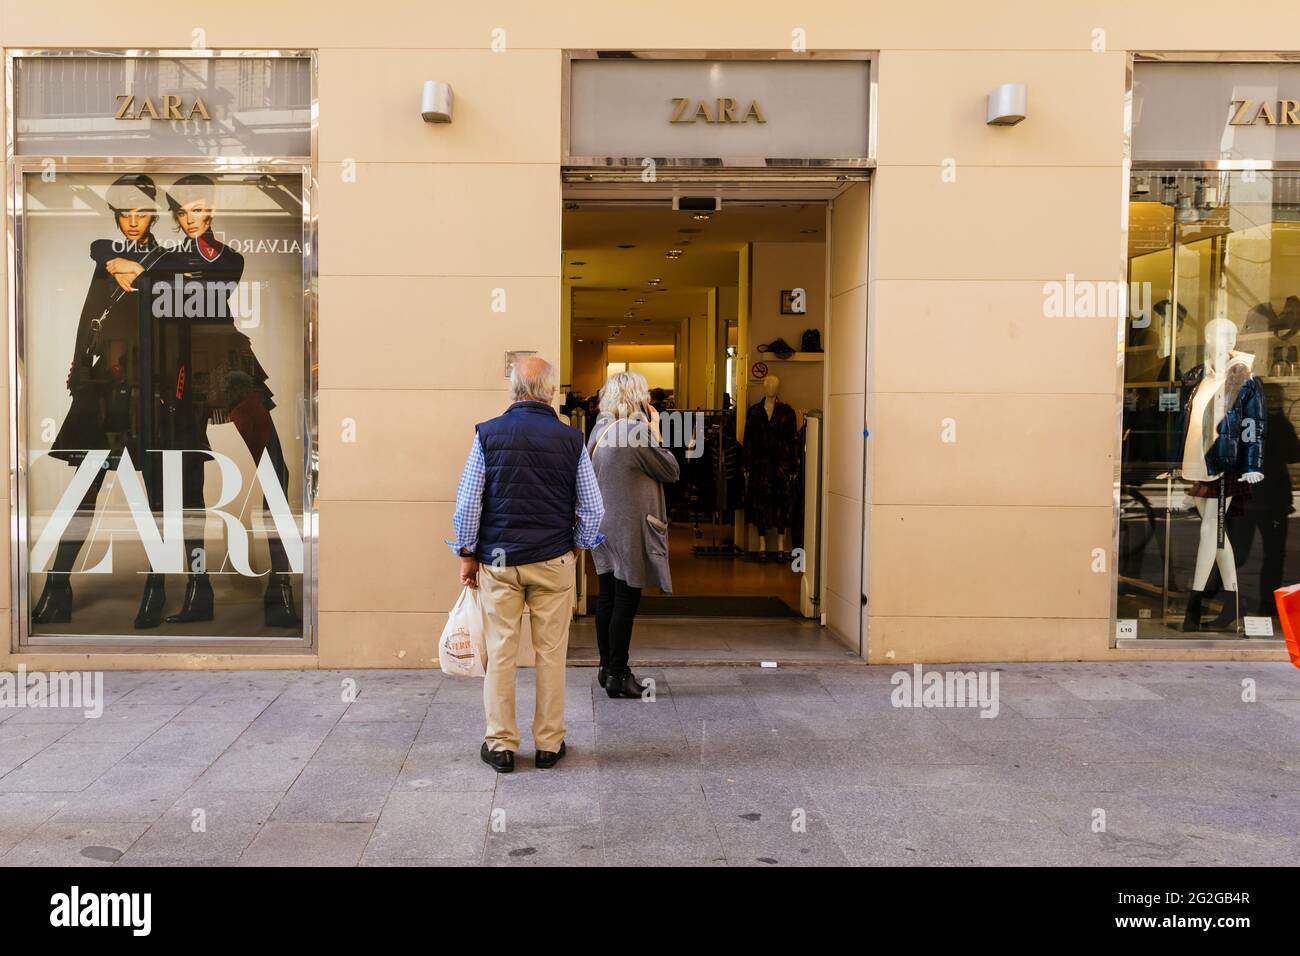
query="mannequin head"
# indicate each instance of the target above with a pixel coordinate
(1220, 339)
(771, 385)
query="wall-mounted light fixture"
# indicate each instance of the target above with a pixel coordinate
(1007, 104)
(436, 104)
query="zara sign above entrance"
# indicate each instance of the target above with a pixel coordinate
(733, 111)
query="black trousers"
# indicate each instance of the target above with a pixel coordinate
(615, 611)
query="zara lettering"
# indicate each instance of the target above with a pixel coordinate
(726, 110)
(1250, 112)
(129, 108)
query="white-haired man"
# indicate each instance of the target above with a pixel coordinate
(527, 505)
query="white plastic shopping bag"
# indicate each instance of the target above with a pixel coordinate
(462, 650)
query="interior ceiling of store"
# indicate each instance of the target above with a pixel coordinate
(606, 280)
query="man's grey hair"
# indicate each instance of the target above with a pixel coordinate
(625, 394)
(532, 379)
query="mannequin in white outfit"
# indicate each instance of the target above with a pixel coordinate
(1208, 406)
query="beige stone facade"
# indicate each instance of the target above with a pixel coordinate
(975, 550)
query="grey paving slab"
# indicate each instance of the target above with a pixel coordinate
(404, 706)
(135, 789)
(21, 742)
(534, 845)
(380, 745)
(454, 767)
(645, 825)
(222, 706)
(62, 767)
(71, 839)
(260, 763)
(189, 743)
(431, 825)
(21, 813)
(307, 843)
(770, 826)
(337, 793)
(204, 827)
(292, 769)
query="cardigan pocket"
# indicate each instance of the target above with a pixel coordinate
(656, 536)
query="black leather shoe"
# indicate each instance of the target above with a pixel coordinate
(198, 601)
(278, 608)
(600, 673)
(502, 761)
(151, 602)
(55, 605)
(545, 759)
(626, 686)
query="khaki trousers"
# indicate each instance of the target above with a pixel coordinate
(546, 589)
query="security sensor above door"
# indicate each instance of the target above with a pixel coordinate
(697, 203)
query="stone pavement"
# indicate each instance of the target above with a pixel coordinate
(728, 765)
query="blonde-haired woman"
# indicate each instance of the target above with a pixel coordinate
(631, 465)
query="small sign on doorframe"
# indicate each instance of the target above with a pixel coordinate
(1258, 626)
(1126, 629)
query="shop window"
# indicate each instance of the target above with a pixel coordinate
(163, 389)
(1211, 408)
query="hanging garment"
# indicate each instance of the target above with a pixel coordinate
(772, 458)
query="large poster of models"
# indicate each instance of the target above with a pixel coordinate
(164, 372)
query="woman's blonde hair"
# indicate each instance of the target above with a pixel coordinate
(625, 394)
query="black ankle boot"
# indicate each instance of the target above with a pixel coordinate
(1192, 619)
(55, 604)
(151, 602)
(1227, 619)
(601, 674)
(623, 686)
(198, 601)
(277, 604)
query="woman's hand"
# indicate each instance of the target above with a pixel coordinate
(125, 272)
(652, 416)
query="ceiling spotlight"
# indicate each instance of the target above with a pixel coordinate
(575, 277)
(653, 281)
(673, 254)
(628, 315)
(638, 301)
(627, 245)
(702, 216)
(575, 262)
(802, 232)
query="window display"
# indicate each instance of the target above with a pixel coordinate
(1210, 454)
(163, 385)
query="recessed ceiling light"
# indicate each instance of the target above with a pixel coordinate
(627, 245)
(575, 277)
(673, 254)
(628, 315)
(661, 290)
(638, 301)
(653, 281)
(701, 216)
(807, 232)
(577, 263)
(621, 290)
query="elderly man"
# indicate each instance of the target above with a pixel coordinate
(527, 505)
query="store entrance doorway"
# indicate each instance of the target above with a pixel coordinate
(721, 299)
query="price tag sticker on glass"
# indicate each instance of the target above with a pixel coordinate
(1258, 626)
